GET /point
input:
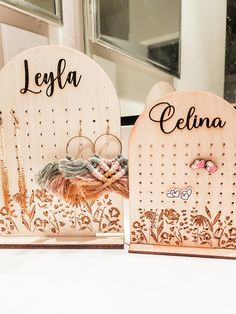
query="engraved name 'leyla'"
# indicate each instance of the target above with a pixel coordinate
(191, 121)
(50, 79)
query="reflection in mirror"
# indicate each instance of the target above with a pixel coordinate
(230, 53)
(51, 10)
(147, 30)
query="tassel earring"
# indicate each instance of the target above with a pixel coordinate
(21, 197)
(56, 177)
(113, 173)
(3, 168)
(77, 180)
(9, 213)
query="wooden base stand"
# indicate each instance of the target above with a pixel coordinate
(182, 251)
(27, 242)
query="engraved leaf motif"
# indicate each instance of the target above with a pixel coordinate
(159, 229)
(154, 236)
(210, 225)
(83, 228)
(208, 212)
(26, 224)
(32, 213)
(216, 218)
(160, 216)
(31, 198)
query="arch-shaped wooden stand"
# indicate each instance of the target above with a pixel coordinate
(51, 89)
(176, 208)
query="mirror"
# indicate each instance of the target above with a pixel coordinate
(145, 30)
(50, 10)
(230, 53)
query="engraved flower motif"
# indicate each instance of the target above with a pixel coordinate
(43, 196)
(85, 220)
(171, 214)
(232, 232)
(114, 212)
(206, 236)
(136, 225)
(166, 236)
(200, 220)
(40, 222)
(150, 215)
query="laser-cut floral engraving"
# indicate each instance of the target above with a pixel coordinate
(7, 219)
(201, 228)
(48, 215)
(107, 216)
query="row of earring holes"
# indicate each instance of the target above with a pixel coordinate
(174, 145)
(66, 109)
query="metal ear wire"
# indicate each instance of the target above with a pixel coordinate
(110, 134)
(12, 112)
(79, 136)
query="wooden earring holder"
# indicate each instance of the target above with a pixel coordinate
(169, 135)
(51, 89)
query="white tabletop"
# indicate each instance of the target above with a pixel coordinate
(113, 281)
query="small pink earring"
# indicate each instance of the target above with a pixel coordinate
(198, 164)
(211, 167)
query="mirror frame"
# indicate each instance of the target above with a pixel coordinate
(36, 11)
(94, 37)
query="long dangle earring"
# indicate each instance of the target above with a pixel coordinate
(5, 179)
(3, 169)
(21, 174)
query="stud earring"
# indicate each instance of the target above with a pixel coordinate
(198, 164)
(183, 194)
(211, 167)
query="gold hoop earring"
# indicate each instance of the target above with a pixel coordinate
(80, 136)
(107, 134)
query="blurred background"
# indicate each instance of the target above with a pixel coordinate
(190, 44)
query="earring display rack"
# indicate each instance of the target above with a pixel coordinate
(53, 92)
(177, 208)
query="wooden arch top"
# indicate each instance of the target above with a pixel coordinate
(173, 202)
(52, 89)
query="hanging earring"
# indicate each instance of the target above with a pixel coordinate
(3, 168)
(62, 178)
(22, 195)
(106, 144)
(80, 147)
(77, 180)
(7, 210)
(73, 170)
(111, 174)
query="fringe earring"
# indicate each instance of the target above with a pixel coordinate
(9, 212)
(22, 195)
(77, 180)
(53, 178)
(3, 168)
(111, 174)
